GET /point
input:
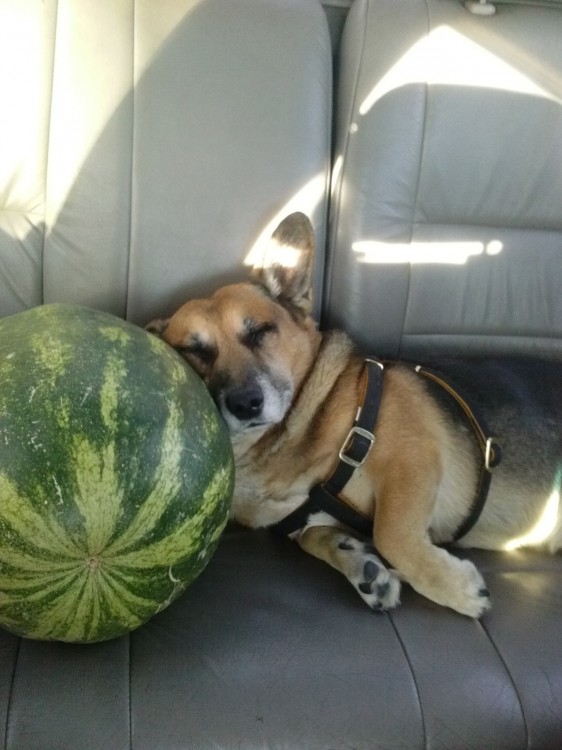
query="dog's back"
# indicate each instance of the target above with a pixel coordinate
(520, 403)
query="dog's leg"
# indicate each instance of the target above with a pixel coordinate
(401, 532)
(357, 560)
(444, 578)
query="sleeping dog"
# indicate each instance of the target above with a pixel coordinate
(395, 447)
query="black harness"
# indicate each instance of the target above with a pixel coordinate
(327, 496)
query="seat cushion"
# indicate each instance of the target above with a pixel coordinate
(272, 648)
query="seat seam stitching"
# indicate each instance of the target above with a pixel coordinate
(11, 693)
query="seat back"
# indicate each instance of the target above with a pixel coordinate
(446, 229)
(145, 146)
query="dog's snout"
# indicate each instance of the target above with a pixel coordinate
(245, 402)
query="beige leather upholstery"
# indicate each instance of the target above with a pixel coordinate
(146, 145)
(447, 205)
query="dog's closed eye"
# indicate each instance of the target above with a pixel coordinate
(202, 351)
(255, 332)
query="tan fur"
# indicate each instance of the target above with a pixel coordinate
(418, 479)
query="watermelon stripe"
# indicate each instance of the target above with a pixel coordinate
(52, 355)
(64, 613)
(95, 618)
(29, 563)
(123, 599)
(57, 608)
(87, 612)
(125, 583)
(114, 377)
(21, 517)
(174, 546)
(167, 483)
(98, 487)
(116, 333)
(40, 588)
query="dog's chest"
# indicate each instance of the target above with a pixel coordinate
(260, 500)
(273, 475)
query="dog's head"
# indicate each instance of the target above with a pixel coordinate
(253, 343)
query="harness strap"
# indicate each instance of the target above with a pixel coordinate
(320, 499)
(360, 438)
(489, 446)
(326, 497)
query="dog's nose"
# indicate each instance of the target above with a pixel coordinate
(245, 402)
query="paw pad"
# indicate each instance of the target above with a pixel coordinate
(378, 587)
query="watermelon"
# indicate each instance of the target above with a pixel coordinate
(116, 474)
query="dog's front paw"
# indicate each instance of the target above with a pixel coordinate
(377, 586)
(453, 583)
(471, 597)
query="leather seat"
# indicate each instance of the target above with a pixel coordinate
(145, 148)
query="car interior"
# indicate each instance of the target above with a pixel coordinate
(147, 147)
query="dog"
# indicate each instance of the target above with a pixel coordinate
(290, 394)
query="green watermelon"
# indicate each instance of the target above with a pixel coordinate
(116, 474)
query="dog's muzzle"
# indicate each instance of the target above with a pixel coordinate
(245, 402)
(260, 401)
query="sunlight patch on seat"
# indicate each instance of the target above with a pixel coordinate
(544, 527)
(88, 92)
(22, 85)
(265, 253)
(549, 523)
(449, 58)
(448, 253)
(79, 84)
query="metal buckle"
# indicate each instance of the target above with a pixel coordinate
(355, 430)
(491, 459)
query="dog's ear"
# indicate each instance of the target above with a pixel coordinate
(157, 327)
(286, 272)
